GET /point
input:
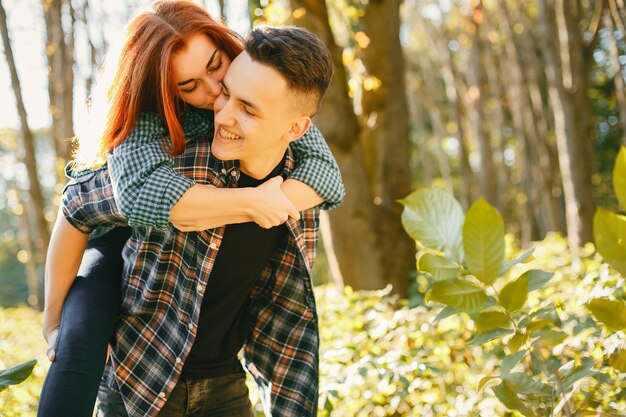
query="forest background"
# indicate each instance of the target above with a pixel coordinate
(522, 103)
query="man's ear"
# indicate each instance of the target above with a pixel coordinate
(298, 128)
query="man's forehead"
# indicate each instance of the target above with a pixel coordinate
(248, 76)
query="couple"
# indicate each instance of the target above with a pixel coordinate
(192, 296)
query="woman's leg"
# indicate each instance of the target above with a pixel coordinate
(87, 322)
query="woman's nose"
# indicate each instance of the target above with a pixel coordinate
(214, 87)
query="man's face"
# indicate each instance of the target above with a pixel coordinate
(254, 116)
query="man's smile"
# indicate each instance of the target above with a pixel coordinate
(225, 134)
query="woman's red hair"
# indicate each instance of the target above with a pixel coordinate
(144, 80)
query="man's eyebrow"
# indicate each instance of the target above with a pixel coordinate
(246, 102)
(208, 65)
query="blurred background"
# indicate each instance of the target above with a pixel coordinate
(522, 102)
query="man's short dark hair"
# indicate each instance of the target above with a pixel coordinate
(299, 55)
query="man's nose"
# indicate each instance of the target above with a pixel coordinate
(224, 111)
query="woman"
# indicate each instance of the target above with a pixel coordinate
(148, 93)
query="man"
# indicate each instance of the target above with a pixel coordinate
(175, 348)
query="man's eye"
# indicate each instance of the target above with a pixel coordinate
(248, 112)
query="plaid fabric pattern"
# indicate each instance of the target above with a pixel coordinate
(166, 272)
(146, 186)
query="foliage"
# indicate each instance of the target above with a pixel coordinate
(551, 358)
(17, 374)
(21, 340)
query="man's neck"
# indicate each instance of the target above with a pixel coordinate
(260, 167)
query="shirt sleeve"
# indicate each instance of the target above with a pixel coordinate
(145, 185)
(87, 202)
(316, 167)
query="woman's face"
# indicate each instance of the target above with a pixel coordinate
(198, 71)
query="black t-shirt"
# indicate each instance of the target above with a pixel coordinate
(223, 325)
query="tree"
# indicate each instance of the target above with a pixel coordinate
(60, 53)
(41, 233)
(568, 64)
(352, 224)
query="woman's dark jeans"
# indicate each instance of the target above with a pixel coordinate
(89, 315)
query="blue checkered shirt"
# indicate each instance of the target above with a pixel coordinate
(165, 275)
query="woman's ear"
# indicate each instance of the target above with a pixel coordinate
(299, 128)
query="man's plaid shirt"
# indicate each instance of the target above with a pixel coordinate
(146, 187)
(166, 272)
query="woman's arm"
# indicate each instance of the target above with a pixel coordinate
(65, 252)
(265, 205)
(150, 193)
(317, 170)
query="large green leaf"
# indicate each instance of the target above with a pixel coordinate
(537, 278)
(619, 177)
(17, 374)
(434, 219)
(609, 232)
(483, 241)
(611, 313)
(514, 294)
(458, 294)
(439, 267)
(490, 320)
(509, 398)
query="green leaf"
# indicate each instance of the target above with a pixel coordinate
(439, 267)
(537, 278)
(619, 177)
(612, 313)
(618, 360)
(551, 337)
(508, 265)
(483, 241)
(514, 294)
(17, 374)
(481, 338)
(510, 361)
(434, 219)
(577, 373)
(490, 320)
(459, 294)
(446, 312)
(545, 313)
(485, 380)
(517, 340)
(523, 384)
(609, 232)
(509, 398)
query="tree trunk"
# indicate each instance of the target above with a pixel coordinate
(28, 148)
(60, 53)
(620, 88)
(567, 71)
(469, 187)
(352, 224)
(386, 131)
(478, 96)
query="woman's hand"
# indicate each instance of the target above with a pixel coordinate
(51, 324)
(271, 207)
